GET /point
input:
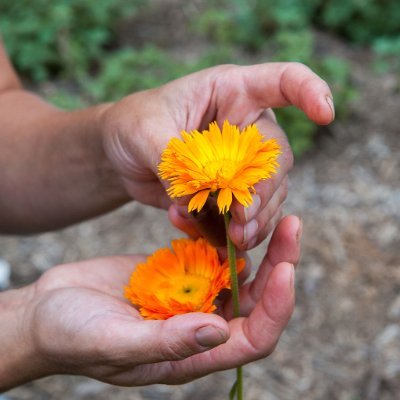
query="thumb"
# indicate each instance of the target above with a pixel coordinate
(176, 338)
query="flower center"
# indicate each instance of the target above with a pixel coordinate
(189, 288)
(221, 170)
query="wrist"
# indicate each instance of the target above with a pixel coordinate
(110, 182)
(98, 187)
(20, 362)
(130, 132)
(61, 166)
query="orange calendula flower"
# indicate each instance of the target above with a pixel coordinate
(228, 162)
(185, 279)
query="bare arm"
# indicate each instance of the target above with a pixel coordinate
(53, 168)
(19, 362)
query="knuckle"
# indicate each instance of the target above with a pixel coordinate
(175, 350)
(226, 67)
(298, 64)
(297, 67)
(265, 190)
(224, 71)
(50, 280)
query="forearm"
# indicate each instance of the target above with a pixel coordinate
(54, 170)
(18, 361)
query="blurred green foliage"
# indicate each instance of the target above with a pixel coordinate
(76, 40)
(360, 21)
(282, 29)
(65, 99)
(45, 38)
(127, 70)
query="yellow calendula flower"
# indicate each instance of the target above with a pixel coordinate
(226, 162)
(185, 279)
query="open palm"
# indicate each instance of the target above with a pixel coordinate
(82, 324)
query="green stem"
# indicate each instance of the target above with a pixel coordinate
(235, 298)
(232, 268)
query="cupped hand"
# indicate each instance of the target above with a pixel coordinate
(80, 323)
(137, 129)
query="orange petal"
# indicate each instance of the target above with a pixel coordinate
(198, 200)
(243, 197)
(240, 264)
(224, 200)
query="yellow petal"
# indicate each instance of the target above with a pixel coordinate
(217, 160)
(224, 200)
(243, 197)
(198, 200)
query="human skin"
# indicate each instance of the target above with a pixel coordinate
(75, 320)
(61, 167)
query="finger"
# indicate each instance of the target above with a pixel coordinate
(247, 303)
(265, 189)
(271, 115)
(181, 220)
(275, 85)
(245, 273)
(176, 338)
(266, 230)
(208, 222)
(285, 242)
(284, 246)
(243, 234)
(150, 192)
(272, 312)
(251, 338)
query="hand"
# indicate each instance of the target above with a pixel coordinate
(137, 129)
(77, 322)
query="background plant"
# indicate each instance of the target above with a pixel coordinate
(47, 39)
(75, 45)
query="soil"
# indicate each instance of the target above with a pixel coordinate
(343, 341)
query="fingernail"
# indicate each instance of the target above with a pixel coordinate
(249, 230)
(210, 336)
(252, 243)
(251, 211)
(329, 100)
(299, 231)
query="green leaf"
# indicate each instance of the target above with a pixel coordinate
(232, 392)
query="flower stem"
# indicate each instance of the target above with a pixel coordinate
(232, 268)
(238, 385)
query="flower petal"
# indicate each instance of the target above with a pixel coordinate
(198, 200)
(185, 279)
(226, 160)
(224, 200)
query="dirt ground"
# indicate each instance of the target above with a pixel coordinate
(343, 341)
